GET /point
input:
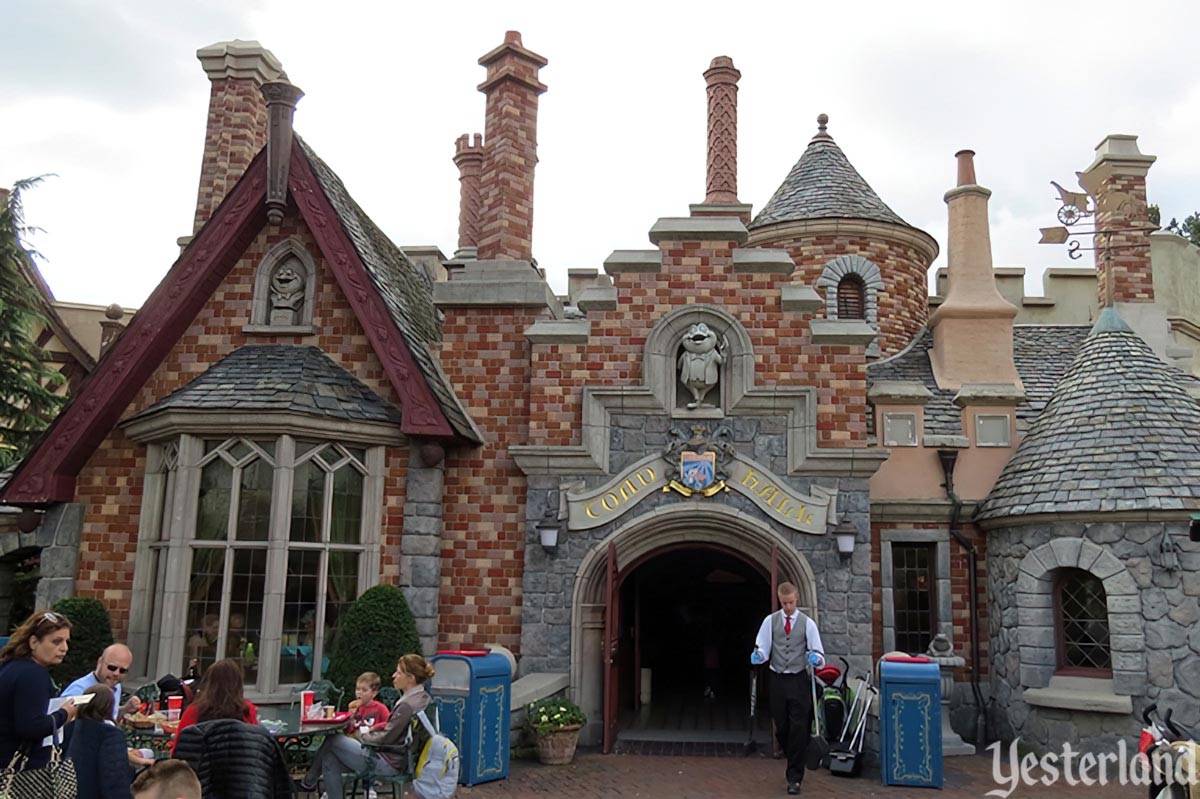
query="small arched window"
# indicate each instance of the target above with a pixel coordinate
(1081, 621)
(851, 297)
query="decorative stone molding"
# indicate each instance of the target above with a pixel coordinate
(497, 283)
(842, 331)
(635, 261)
(919, 240)
(762, 262)
(1005, 394)
(555, 331)
(1036, 631)
(838, 268)
(1090, 694)
(289, 255)
(171, 423)
(800, 299)
(698, 228)
(891, 392)
(597, 298)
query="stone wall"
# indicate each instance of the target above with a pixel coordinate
(1152, 612)
(843, 588)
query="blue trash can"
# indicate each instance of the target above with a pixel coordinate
(910, 712)
(472, 697)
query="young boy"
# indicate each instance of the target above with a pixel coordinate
(369, 712)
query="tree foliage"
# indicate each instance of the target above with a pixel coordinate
(91, 633)
(375, 631)
(27, 382)
(1189, 228)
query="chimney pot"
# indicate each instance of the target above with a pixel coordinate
(966, 167)
(512, 37)
(281, 97)
(720, 181)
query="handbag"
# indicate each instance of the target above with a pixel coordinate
(55, 780)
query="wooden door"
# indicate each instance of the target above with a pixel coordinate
(612, 634)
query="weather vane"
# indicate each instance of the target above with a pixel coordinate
(1129, 213)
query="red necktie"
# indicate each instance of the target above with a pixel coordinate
(787, 625)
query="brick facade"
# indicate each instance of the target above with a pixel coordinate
(110, 484)
(236, 131)
(1122, 205)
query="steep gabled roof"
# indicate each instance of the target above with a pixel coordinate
(824, 185)
(373, 274)
(1120, 433)
(279, 377)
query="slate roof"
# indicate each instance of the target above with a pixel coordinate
(279, 377)
(406, 289)
(1119, 433)
(1042, 354)
(824, 185)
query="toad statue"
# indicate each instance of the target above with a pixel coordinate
(287, 295)
(700, 361)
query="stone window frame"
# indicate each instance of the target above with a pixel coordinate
(1036, 631)
(260, 310)
(1061, 576)
(867, 271)
(979, 439)
(944, 612)
(890, 442)
(160, 594)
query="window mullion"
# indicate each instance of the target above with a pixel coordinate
(277, 563)
(319, 636)
(173, 620)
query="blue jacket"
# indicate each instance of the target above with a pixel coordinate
(101, 760)
(24, 697)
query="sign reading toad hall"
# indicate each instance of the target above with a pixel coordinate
(702, 467)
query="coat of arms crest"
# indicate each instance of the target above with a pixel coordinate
(701, 460)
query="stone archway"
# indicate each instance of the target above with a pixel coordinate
(660, 528)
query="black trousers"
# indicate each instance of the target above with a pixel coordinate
(791, 711)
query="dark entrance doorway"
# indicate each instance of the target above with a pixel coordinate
(688, 617)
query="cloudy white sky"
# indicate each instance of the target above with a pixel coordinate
(109, 97)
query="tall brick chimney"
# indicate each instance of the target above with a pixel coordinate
(721, 173)
(468, 157)
(510, 150)
(1117, 179)
(237, 117)
(973, 327)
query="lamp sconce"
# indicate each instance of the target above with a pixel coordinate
(845, 541)
(548, 529)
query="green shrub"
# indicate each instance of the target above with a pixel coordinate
(553, 713)
(373, 634)
(91, 634)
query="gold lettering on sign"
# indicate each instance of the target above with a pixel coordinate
(774, 497)
(624, 493)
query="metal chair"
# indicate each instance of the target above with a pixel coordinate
(147, 693)
(368, 776)
(324, 692)
(389, 696)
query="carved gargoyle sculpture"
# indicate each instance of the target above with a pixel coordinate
(700, 362)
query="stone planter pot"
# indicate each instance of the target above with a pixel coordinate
(558, 748)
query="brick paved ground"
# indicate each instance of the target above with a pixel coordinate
(668, 777)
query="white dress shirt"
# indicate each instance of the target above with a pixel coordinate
(812, 636)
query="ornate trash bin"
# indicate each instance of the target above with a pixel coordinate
(472, 692)
(910, 712)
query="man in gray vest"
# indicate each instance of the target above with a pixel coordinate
(789, 643)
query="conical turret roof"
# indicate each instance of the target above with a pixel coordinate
(1120, 433)
(824, 185)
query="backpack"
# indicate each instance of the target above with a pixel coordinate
(436, 772)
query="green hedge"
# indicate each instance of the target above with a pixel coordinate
(91, 634)
(373, 633)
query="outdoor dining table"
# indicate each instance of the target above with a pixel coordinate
(298, 741)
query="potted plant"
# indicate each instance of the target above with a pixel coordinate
(555, 722)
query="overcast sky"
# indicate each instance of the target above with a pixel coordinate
(109, 96)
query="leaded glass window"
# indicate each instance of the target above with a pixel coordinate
(1082, 619)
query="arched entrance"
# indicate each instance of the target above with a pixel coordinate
(651, 596)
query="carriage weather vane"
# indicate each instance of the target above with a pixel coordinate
(1124, 214)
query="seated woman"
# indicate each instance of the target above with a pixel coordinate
(220, 697)
(341, 753)
(97, 748)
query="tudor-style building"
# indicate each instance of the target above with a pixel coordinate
(610, 485)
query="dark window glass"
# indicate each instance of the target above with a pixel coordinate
(912, 595)
(852, 298)
(1082, 620)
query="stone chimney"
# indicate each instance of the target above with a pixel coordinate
(973, 327)
(721, 173)
(237, 117)
(281, 98)
(510, 150)
(1117, 179)
(468, 157)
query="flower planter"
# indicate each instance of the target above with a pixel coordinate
(558, 747)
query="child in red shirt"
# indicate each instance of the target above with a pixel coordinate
(369, 712)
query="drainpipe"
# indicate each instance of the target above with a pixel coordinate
(948, 458)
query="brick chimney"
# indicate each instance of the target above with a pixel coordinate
(1117, 179)
(468, 157)
(237, 117)
(973, 327)
(510, 150)
(721, 175)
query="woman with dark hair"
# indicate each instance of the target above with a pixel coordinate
(97, 749)
(25, 688)
(342, 753)
(220, 697)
